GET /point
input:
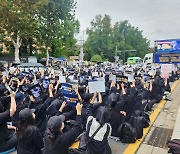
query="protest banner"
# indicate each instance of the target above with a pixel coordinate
(62, 79)
(166, 69)
(66, 86)
(94, 73)
(130, 77)
(96, 86)
(112, 78)
(121, 78)
(71, 99)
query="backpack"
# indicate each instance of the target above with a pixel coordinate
(137, 124)
(127, 133)
(174, 146)
(145, 120)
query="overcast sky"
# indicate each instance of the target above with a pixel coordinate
(158, 19)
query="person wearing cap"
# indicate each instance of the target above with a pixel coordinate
(28, 135)
(20, 98)
(8, 138)
(57, 142)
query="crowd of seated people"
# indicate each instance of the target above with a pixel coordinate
(36, 118)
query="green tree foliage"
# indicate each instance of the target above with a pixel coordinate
(96, 58)
(39, 23)
(57, 26)
(103, 39)
(99, 39)
(17, 20)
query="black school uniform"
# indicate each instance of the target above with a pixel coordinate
(31, 143)
(63, 141)
(8, 138)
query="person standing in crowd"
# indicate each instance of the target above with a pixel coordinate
(57, 142)
(28, 135)
(8, 138)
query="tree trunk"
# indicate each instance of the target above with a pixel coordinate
(31, 46)
(17, 46)
(17, 60)
(47, 56)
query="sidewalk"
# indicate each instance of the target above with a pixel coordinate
(176, 131)
(166, 124)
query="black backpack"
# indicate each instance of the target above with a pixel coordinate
(174, 146)
(127, 133)
(144, 116)
(137, 124)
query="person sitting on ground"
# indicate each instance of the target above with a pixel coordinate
(28, 135)
(99, 129)
(57, 142)
(8, 138)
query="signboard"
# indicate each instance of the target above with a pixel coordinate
(62, 79)
(167, 58)
(96, 86)
(74, 57)
(112, 78)
(121, 78)
(168, 45)
(166, 69)
(94, 73)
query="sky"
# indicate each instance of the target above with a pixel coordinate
(158, 19)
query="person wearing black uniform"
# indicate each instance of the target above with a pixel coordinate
(28, 135)
(57, 142)
(98, 130)
(40, 110)
(8, 138)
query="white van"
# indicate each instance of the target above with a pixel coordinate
(148, 58)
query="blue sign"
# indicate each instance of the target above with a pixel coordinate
(172, 58)
(168, 46)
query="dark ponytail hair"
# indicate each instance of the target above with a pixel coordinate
(1, 107)
(52, 134)
(23, 126)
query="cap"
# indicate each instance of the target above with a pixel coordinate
(2, 90)
(19, 97)
(55, 122)
(26, 113)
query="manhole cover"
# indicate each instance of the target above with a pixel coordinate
(160, 137)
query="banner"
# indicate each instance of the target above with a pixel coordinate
(121, 78)
(66, 86)
(130, 77)
(62, 79)
(95, 74)
(166, 69)
(96, 86)
(112, 78)
(71, 99)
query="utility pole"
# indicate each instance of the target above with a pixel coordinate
(81, 55)
(116, 58)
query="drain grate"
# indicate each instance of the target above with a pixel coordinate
(160, 137)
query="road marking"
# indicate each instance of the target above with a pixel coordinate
(132, 148)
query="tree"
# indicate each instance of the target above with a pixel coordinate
(17, 21)
(57, 26)
(96, 58)
(99, 39)
(103, 38)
